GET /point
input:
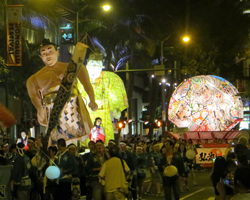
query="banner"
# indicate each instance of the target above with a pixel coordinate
(14, 38)
(206, 155)
(5, 172)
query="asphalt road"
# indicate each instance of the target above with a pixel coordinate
(203, 190)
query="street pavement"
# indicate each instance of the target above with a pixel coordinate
(203, 190)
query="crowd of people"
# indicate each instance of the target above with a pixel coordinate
(115, 171)
(119, 170)
(231, 172)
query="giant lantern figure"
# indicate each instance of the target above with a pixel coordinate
(206, 103)
(53, 91)
(110, 94)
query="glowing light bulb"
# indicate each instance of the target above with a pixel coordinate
(106, 7)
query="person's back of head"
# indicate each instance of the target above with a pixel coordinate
(219, 169)
(242, 158)
(243, 141)
(231, 166)
(61, 142)
(114, 151)
(171, 143)
(241, 179)
(53, 149)
(12, 148)
(239, 148)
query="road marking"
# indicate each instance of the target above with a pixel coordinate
(192, 193)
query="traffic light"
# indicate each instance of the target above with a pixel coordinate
(121, 125)
(159, 123)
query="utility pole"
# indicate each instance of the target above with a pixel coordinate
(163, 97)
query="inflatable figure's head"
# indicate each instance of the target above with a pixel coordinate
(95, 65)
(48, 52)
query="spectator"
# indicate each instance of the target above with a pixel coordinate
(13, 154)
(141, 169)
(129, 157)
(85, 187)
(114, 173)
(243, 141)
(91, 146)
(111, 143)
(182, 149)
(175, 159)
(31, 152)
(129, 148)
(154, 164)
(50, 185)
(228, 149)
(20, 180)
(93, 167)
(68, 167)
(76, 191)
(240, 149)
(241, 185)
(191, 163)
(220, 172)
(6, 149)
(242, 159)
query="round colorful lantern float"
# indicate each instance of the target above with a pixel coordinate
(205, 103)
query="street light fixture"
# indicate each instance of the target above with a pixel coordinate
(106, 7)
(186, 39)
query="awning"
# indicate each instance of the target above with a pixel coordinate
(206, 135)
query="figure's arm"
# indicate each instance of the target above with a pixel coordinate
(83, 77)
(35, 97)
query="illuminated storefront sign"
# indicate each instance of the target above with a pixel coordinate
(14, 42)
(206, 103)
(67, 36)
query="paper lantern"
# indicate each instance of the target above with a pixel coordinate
(206, 103)
(170, 171)
(190, 154)
(52, 172)
(34, 161)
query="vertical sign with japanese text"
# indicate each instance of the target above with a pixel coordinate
(14, 39)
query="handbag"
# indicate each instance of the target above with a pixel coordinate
(141, 173)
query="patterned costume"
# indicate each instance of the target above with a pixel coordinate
(110, 95)
(74, 121)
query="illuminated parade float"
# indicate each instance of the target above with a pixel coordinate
(110, 94)
(53, 91)
(208, 107)
(61, 91)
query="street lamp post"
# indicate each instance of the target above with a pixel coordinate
(163, 96)
(186, 39)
